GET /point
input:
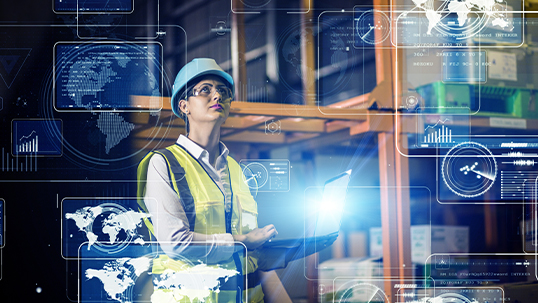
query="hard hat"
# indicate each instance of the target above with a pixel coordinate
(195, 68)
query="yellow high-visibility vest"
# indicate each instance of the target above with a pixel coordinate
(203, 202)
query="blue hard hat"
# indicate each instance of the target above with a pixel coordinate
(195, 68)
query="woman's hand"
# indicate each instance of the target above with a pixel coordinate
(257, 237)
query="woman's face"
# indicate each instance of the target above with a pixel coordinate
(208, 105)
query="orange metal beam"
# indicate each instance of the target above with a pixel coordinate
(394, 172)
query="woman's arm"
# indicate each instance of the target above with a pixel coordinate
(257, 237)
(273, 290)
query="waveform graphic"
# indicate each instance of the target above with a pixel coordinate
(521, 162)
(515, 154)
(512, 144)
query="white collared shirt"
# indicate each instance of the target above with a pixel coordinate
(219, 172)
(170, 222)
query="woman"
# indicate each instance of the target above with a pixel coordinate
(194, 190)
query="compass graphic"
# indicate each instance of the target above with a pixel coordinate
(452, 298)
(469, 169)
(363, 292)
(373, 26)
(255, 175)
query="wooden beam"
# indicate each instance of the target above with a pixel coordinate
(294, 111)
(244, 122)
(296, 137)
(310, 125)
(163, 133)
(375, 123)
(338, 125)
(359, 101)
(308, 60)
(394, 175)
(277, 110)
(239, 64)
(255, 137)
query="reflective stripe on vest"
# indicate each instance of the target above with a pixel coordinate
(203, 202)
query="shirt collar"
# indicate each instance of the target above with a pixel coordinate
(197, 151)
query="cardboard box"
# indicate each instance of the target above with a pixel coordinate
(427, 240)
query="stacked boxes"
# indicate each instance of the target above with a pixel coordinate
(485, 100)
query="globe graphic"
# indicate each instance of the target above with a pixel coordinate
(100, 223)
(96, 82)
(463, 19)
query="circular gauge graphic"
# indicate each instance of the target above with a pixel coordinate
(363, 292)
(255, 3)
(295, 102)
(255, 175)
(220, 28)
(411, 101)
(469, 169)
(451, 298)
(327, 34)
(373, 26)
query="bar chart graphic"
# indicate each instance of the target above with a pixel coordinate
(36, 137)
(441, 131)
(28, 144)
(441, 134)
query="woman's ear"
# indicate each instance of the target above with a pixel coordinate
(183, 106)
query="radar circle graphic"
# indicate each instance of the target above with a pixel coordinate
(373, 26)
(363, 292)
(469, 169)
(340, 59)
(255, 3)
(411, 101)
(255, 175)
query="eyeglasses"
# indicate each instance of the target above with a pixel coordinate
(208, 90)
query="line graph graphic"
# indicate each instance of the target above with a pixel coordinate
(437, 123)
